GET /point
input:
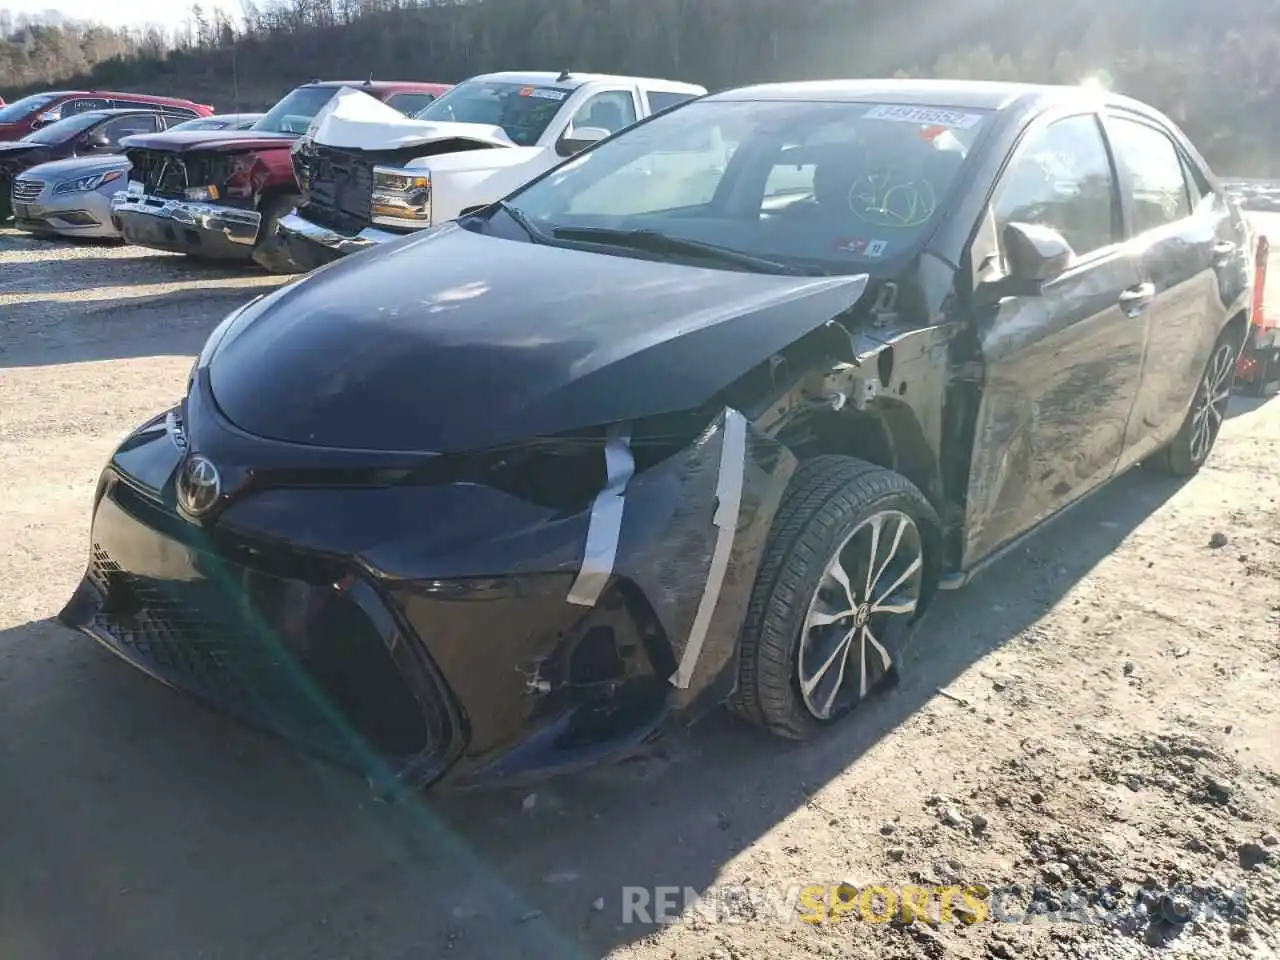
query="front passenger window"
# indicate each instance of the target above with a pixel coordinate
(611, 110)
(128, 126)
(1061, 177)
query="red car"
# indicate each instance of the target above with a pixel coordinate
(219, 194)
(41, 109)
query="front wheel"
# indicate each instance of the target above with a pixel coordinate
(1187, 452)
(849, 563)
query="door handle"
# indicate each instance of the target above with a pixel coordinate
(1135, 300)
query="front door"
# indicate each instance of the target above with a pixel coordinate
(1061, 369)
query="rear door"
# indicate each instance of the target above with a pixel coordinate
(1184, 236)
(1061, 369)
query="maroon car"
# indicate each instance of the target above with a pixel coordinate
(220, 194)
(23, 116)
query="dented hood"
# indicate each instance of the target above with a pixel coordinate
(452, 341)
(224, 141)
(353, 120)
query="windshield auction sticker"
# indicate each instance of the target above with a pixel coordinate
(543, 93)
(930, 116)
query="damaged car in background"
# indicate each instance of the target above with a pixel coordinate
(511, 495)
(368, 176)
(219, 194)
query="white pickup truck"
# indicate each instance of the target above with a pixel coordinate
(368, 174)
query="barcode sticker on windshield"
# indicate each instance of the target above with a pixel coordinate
(543, 93)
(933, 116)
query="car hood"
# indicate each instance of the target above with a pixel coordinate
(451, 341)
(354, 120)
(11, 148)
(232, 141)
(19, 155)
(77, 167)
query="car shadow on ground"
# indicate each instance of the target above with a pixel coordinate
(1241, 405)
(119, 322)
(166, 830)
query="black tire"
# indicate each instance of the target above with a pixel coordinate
(269, 252)
(1185, 454)
(829, 500)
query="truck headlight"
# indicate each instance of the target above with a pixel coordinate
(401, 198)
(200, 194)
(85, 184)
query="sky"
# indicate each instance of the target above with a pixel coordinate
(169, 13)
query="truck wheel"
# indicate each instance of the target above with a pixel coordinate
(847, 568)
(269, 252)
(1187, 452)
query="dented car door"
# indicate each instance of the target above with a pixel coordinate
(1061, 368)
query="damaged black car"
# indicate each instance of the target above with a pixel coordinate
(707, 414)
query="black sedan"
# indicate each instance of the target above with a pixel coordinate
(708, 413)
(90, 134)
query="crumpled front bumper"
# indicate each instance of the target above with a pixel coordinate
(202, 229)
(312, 245)
(451, 632)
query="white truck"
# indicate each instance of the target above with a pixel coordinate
(368, 174)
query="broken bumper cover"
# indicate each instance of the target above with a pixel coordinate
(312, 245)
(502, 641)
(202, 229)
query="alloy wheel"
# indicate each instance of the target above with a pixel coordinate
(1212, 397)
(864, 603)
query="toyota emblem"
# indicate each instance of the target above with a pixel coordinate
(199, 485)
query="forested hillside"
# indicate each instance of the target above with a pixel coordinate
(1215, 67)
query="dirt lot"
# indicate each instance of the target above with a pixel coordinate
(1110, 716)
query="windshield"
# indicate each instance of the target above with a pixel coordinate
(19, 109)
(294, 113)
(63, 130)
(819, 184)
(524, 111)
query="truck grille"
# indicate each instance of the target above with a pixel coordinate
(301, 660)
(25, 191)
(339, 187)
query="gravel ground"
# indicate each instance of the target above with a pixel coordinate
(1099, 710)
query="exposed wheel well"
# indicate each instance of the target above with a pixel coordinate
(887, 435)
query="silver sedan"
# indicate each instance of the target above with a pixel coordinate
(69, 197)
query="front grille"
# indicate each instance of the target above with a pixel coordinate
(25, 191)
(340, 186)
(296, 658)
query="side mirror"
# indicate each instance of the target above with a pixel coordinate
(1036, 255)
(579, 138)
(95, 140)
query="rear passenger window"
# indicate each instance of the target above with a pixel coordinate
(660, 100)
(1156, 170)
(1061, 178)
